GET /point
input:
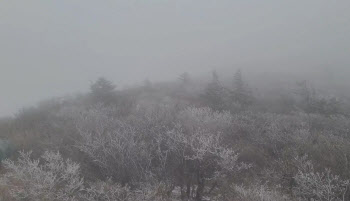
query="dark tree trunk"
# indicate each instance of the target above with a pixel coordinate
(188, 192)
(200, 188)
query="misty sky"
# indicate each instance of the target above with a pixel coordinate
(56, 47)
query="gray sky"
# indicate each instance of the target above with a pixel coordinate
(51, 48)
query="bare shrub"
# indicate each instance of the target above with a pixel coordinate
(195, 148)
(319, 186)
(51, 178)
(113, 145)
(106, 191)
(258, 193)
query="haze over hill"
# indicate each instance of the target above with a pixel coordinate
(51, 48)
(175, 100)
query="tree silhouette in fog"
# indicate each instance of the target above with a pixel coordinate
(103, 91)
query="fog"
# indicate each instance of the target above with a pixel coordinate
(52, 48)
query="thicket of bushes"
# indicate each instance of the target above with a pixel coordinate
(179, 141)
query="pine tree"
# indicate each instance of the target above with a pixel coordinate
(311, 102)
(238, 83)
(103, 91)
(240, 93)
(185, 78)
(215, 95)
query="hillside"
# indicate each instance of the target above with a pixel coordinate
(181, 140)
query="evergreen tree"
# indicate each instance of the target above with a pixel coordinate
(311, 102)
(103, 91)
(214, 94)
(185, 78)
(240, 93)
(238, 83)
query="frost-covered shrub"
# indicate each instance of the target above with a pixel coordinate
(113, 145)
(50, 178)
(205, 118)
(264, 137)
(194, 148)
(322, 186)
(158, 191)
(150, 119)
(267, 128)
(109, 191)
(258, 193)
(319, 186)
(337, 125)
(106, 191)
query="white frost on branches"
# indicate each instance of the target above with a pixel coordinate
(51, 178)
